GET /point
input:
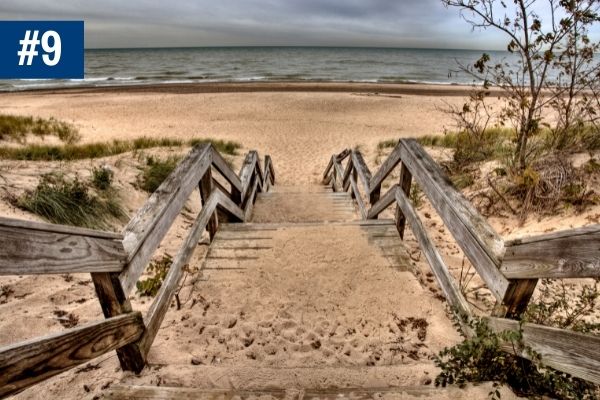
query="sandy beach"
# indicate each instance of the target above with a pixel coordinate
(299, 125)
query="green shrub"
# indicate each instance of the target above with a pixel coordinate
(481, 359)
(17, 128)
(63, 201)
(102, 178)
(158, 271)
(155, 172)
(70, 152)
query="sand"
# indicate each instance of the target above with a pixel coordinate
(300, 129)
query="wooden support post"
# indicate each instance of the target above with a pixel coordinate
(516, 298)
(374, 197)
(114, 302)
(355, 176)
(206, 187)
(405, 182)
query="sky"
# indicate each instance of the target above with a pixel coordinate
(175, 23)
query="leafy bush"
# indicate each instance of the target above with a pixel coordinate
(64, 201)
(158, 271)
(155, 172)
(17, 128)
(70, 152)
(102, 178)
(481, 359)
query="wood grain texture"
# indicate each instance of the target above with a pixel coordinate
(384, 202)
(364, 174)
(386, 168)
(358, 198)
(121, 392)
(225, 170)
(269, 167)
(114, 302)
(227, 205)
(247, 172)
(24, 364)
(443, 276)
(32, 249)
(161, 302)
(478, 240)
(405, 183)
(54, 228)
(145, 231)
(571, 352)
(516, 299)
(206, 187)
(573, 253)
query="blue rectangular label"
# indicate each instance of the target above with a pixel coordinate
(41, 50)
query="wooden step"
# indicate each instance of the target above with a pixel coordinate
(122, 392)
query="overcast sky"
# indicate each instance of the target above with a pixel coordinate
(164, 23)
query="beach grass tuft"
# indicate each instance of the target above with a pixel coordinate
(155, 172)
(17, 128)
(72, 152)
(66, 201)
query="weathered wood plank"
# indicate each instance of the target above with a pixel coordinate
(114, 302)
(349, 170)
(478, 240)
(246, 172)
(326, 174)
(342, 155)
(384, 202)
(120, 392)
(54, 228)
(574, 253)
(405, 183)
(269, 166)
(27, 250)
(358, 198)
(575, 353)
(24, 364)
(443, 276)
(516, 298)
(364, 174)
(146, 230)
(250, 203)
(226, 205)
(160, 305)
(206, 188)
(221, 165)
(386, 168)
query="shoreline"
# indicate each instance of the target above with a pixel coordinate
(254, 87)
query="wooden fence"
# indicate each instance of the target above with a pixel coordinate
(509, 269)
(116, 261)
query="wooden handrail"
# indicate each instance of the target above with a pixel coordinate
(116, 262)
(574, 253)
(145, 231)
(27, 363)
(509, 269)
(36, 248)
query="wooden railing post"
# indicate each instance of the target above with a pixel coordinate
(206, 188)
(114, 302)
(516, 298)
(374, 196)
(405, 182)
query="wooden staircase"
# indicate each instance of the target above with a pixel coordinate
(306, 292)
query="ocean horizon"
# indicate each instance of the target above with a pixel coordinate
(135, 66)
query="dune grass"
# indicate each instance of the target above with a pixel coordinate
(69, 202)
(72, 152)
(18, 128)
(155, 172)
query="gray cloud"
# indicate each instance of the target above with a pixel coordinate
(154, 23)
